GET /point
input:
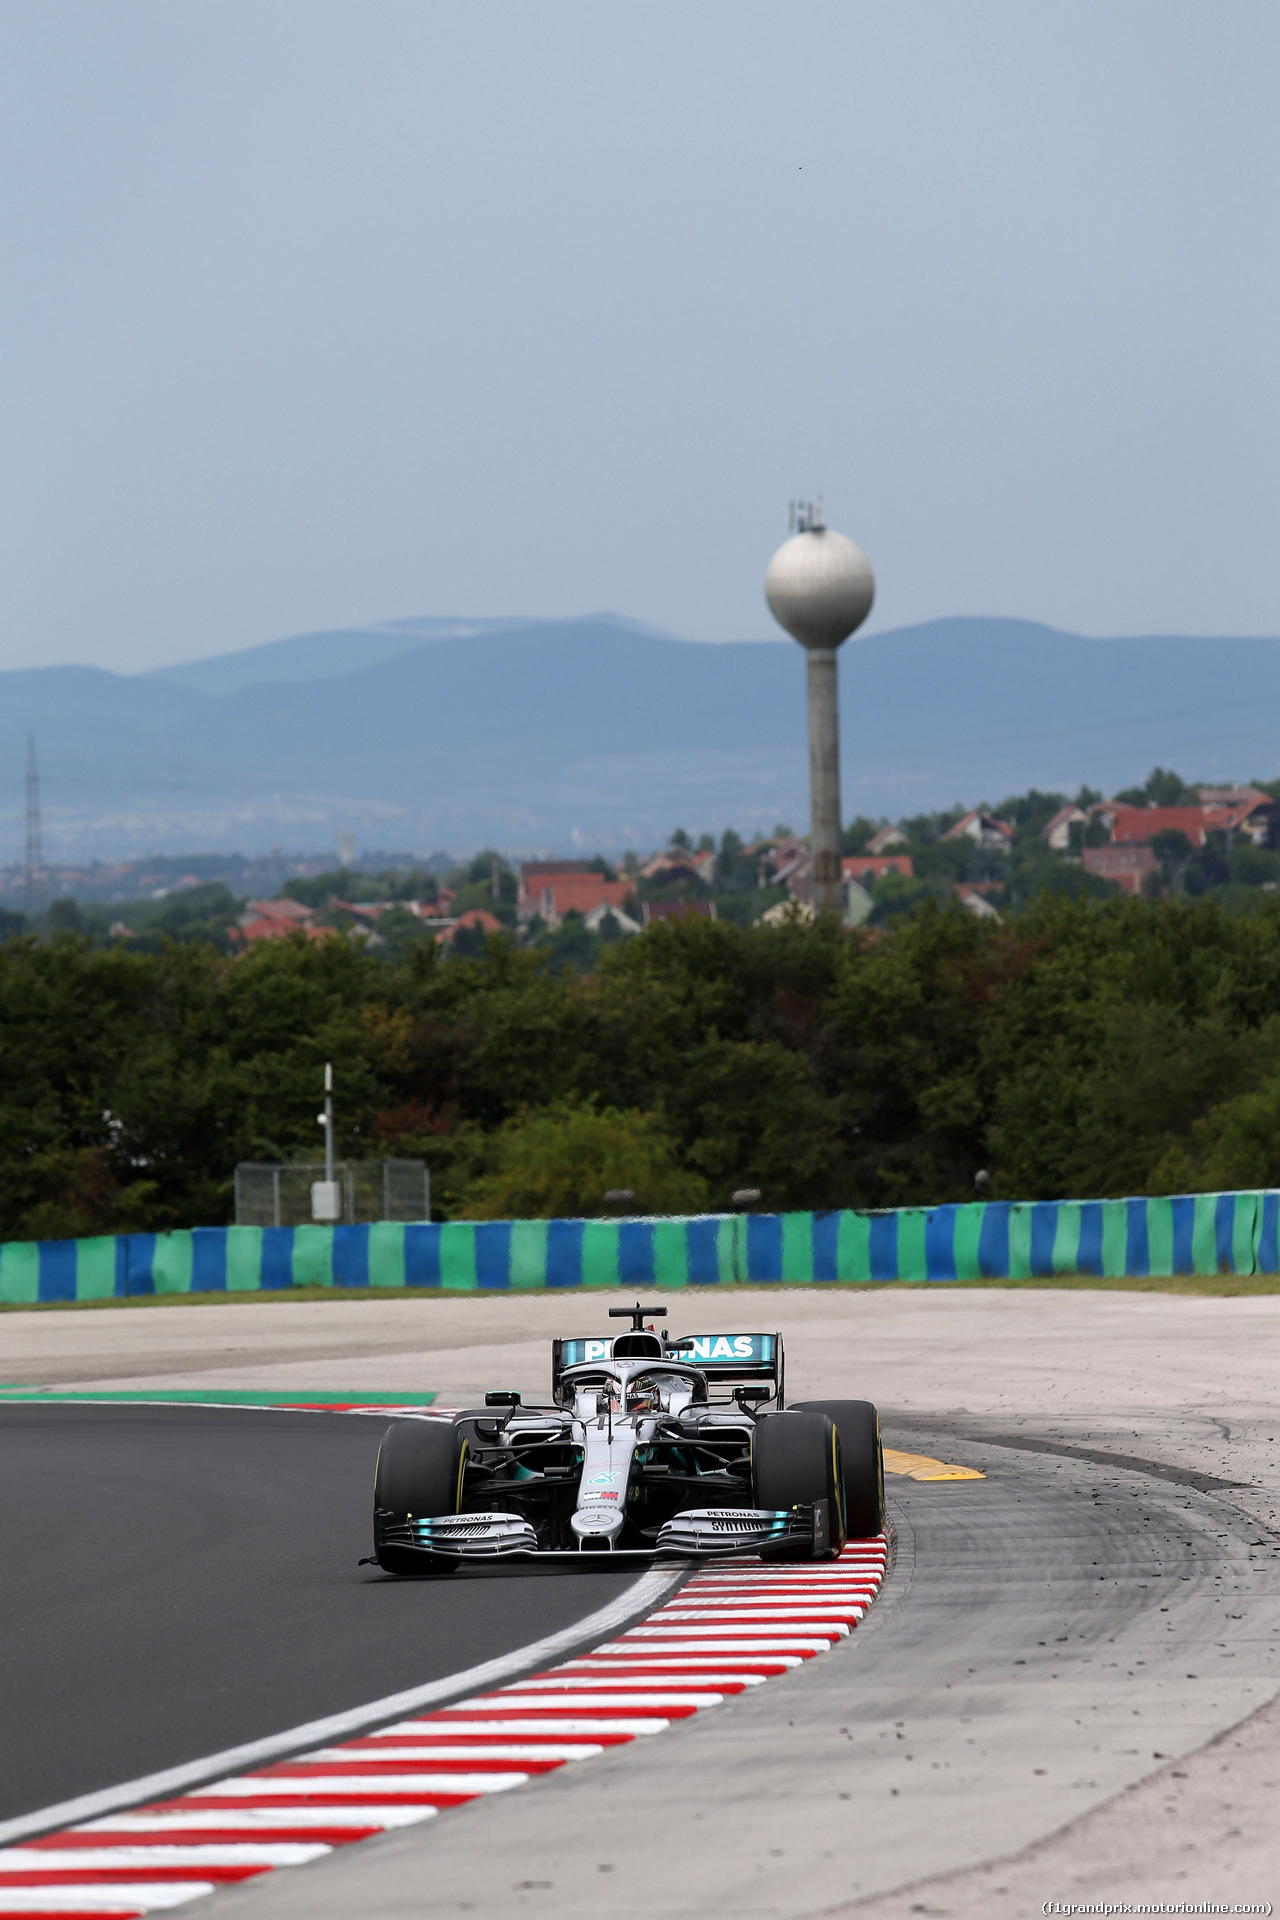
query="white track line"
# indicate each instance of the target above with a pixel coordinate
(729, 1630)
(637, 1599)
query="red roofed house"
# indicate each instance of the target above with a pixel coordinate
(866, 868)
(282, 909)
(575, 893)
(534, 875)
(473, 917)
(1138, 826)
(1127, 865)
(276, 920)
(887, 837)
(1243, 810)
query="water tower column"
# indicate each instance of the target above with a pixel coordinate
(820, 587)
(824, 780)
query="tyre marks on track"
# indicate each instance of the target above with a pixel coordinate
(728, 1628)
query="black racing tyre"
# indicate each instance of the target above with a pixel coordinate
(795, 1461)
(858, 1425)
(418, 1476)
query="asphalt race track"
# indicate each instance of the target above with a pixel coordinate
(177, 1580)
(1069, 1687)
(1047, 1637)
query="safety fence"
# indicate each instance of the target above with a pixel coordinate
(1205, 1233)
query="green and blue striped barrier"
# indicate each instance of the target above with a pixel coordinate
(1204, 1233)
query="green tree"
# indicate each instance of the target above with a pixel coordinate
(64, 916)
(1161, 789)
(1173, 850)
(1236, 1144)
(856, 835)
(1251, 866)
(561, 1160)
(1028, 812)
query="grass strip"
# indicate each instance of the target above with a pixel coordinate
(220, 1396)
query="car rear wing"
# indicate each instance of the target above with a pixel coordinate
(727, 1359)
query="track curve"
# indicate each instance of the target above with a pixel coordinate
(1047, 1637)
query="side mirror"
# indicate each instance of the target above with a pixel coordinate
(503, 1397)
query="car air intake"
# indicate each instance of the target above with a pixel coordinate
(637, 1346)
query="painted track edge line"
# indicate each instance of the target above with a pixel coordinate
(639, 1599)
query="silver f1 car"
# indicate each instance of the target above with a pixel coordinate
(650, 1446)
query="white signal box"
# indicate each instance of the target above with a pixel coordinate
(326, 1200)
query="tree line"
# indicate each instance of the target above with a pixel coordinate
(1076, 1048)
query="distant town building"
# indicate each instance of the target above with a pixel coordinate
(1127, 865)
(596, 919)
(1233, 797)
(534, 876)
(261, 921)
(282, 909)
(983, 829)
(437, 909)
(786, 911)
(579, 893)
(548, 889)
(972, 896)
(1058, 830)
(475, 918)
(858, 903)
(1138, 826)
(669, 865)
(1244, 810)
(886, 838)
(866, 869)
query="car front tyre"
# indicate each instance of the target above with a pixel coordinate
(858, 1425)
(795, 1462)
(418, 1477)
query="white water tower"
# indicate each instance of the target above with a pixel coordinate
(820, 588)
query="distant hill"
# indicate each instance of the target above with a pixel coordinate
(319, 656)
(600, 733)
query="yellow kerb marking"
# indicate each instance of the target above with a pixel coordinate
(918, 1466)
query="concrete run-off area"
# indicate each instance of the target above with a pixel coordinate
(1067, 1691)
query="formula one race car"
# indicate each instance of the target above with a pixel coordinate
(649, 1446)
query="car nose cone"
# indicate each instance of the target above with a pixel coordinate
(596, 1527)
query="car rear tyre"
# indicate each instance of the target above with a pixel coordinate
(795, 1462)
(858, 1425)
(419, 1477)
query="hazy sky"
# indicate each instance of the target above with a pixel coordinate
(321, 313)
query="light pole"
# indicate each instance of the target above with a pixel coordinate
(820, 588)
